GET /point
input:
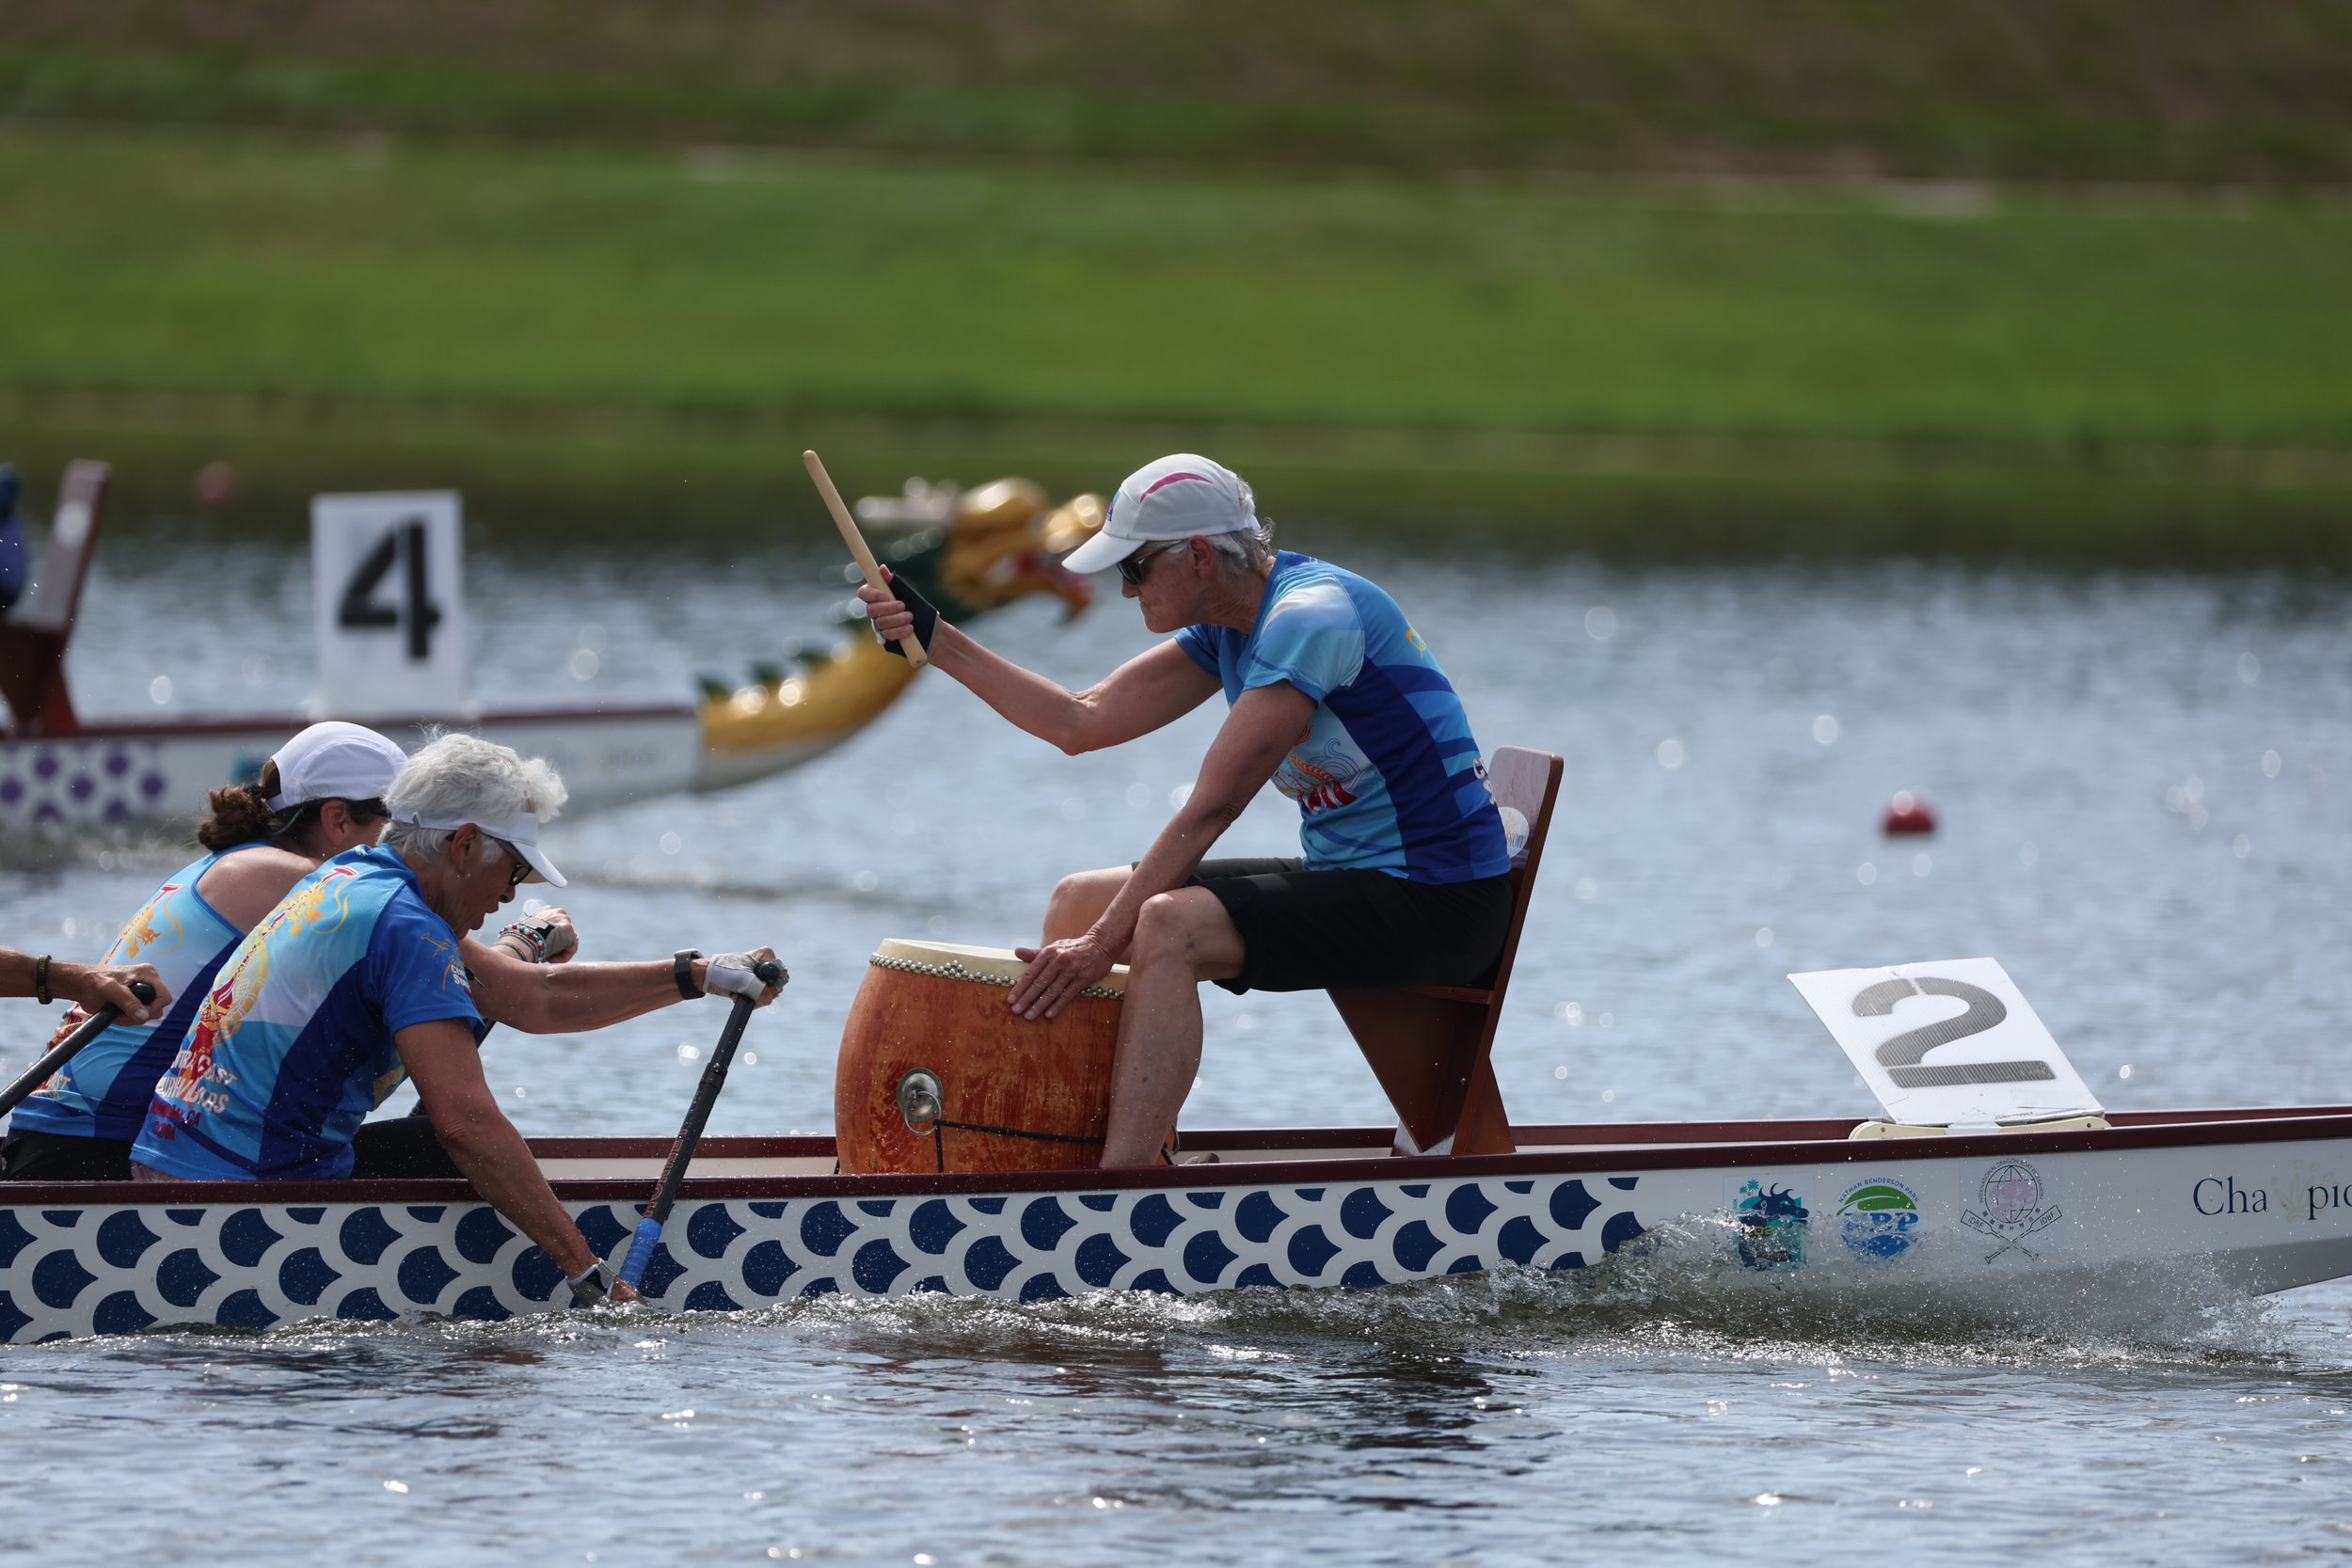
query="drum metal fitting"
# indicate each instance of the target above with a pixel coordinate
(920, 1100)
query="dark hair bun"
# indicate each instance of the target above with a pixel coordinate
(237, 815)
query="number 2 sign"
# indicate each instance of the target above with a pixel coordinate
(388, 573)
(1945, 1044)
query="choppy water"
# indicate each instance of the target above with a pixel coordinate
(2137, 781)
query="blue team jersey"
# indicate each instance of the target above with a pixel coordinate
(1385, 775)
(293, 1047)
(102, 1093)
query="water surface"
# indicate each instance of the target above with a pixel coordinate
(2137, 778)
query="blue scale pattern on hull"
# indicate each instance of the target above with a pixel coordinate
(121, 1268)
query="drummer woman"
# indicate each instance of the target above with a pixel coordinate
(1336, 699)
(319, 794)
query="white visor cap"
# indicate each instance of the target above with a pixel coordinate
(520, 830)
(1179, 497)
(335, 761)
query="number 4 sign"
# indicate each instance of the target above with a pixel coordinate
(1947, 1044)
(391, 614)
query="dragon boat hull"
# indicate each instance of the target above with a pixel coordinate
(108, 775)
(2263, 1197)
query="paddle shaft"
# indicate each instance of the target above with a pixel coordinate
(640, 1256)
(67, 1049)
(856, 541)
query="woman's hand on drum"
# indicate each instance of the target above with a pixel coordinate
(1058, 972)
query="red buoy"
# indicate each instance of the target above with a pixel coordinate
(215, 484)
(1907, 813)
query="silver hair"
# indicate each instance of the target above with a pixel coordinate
(1245, 549)
(464, 776)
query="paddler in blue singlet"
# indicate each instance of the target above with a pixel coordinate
(318, 796)
(359, 979)
(1334, 699)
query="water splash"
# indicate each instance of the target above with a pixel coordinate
(1682, 1292)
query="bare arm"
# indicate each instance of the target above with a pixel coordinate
(573, 998)
(1154, 687)
(1256, 735)
(441, 1058)
(94, 986)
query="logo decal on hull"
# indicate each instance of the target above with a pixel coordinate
(2009, 1209)
(1772, 1221)
(1878, 1219)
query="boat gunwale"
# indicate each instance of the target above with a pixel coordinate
(195, 727)
(1573, 1150)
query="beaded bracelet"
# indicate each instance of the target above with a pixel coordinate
(536, 940)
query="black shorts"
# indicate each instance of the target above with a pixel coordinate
(31, 1156)
(1320, 930)
(400, 1149)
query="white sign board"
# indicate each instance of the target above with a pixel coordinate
(388, 572)
(1947, 1044)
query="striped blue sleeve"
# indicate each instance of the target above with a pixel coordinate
(1312, 638)
(415, 970)
(1200, 641)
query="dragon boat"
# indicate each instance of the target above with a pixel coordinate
(965, 1146)
(2263, 1197)
(972, 551)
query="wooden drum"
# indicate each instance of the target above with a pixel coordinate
(938, 1074)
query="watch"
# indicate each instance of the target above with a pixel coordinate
(682, 971)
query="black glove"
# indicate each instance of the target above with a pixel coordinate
(925, 616)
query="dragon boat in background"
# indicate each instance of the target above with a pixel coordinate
(972, 551)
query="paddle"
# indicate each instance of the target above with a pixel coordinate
(67, 1048)
(631, 1269)
(856, 541)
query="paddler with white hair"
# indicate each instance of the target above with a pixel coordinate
(1336, 699)
(358, 979)
(318, 794)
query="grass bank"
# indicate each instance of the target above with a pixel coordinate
(2182, 90)
(590, 334)
(582, 276)
(542, 477)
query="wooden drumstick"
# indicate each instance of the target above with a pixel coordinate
(856, 541)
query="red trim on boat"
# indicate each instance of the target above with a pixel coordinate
(1630, 1147)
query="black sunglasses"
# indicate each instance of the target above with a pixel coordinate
(519, 867)
(1131, 570)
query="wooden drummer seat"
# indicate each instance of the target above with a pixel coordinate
(1428, 1045)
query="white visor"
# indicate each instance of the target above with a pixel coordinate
(521, 830)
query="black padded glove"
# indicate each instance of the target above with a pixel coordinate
(925, 615)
